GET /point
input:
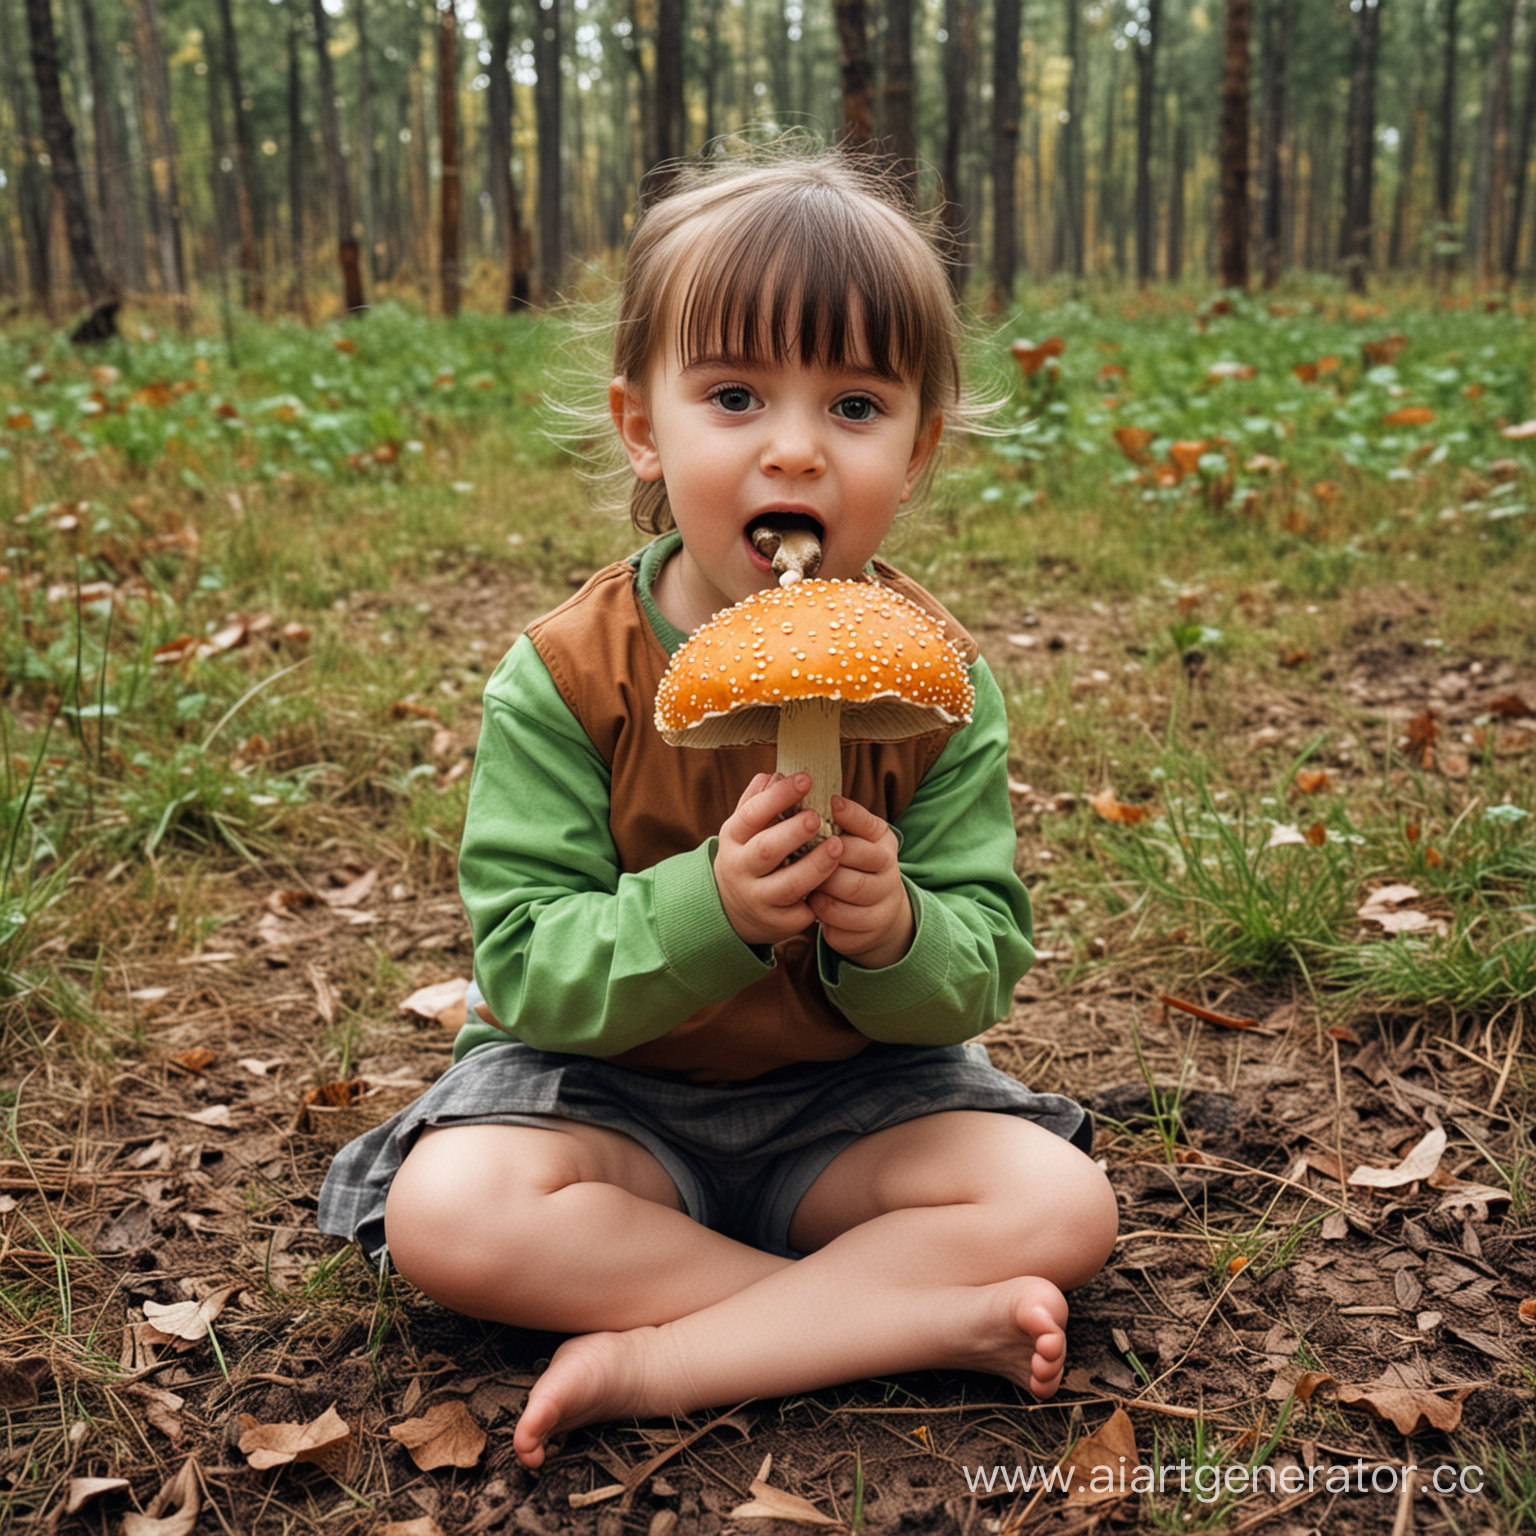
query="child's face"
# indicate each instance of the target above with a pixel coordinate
(736, 442)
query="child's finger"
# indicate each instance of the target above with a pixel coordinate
(858, 820)
(757, 812)
(760, 782)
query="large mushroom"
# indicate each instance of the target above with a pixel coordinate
(811, 665)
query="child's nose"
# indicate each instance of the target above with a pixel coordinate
(794, 447)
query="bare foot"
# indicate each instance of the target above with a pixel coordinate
(1022, 1333)
(591, 1377)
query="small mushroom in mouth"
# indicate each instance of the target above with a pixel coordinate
(794, 550)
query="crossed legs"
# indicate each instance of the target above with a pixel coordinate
(947, 1241)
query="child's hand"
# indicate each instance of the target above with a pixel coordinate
(765, 898)
(862, 905)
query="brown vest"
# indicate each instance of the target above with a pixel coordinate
(606, 662)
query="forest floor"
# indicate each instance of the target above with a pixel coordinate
(1313, 1354)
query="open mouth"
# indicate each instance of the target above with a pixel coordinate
(789, 541)
(783, 522)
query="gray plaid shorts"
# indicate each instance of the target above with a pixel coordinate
(742, 1157)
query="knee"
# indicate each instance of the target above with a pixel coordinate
(1066, 1230)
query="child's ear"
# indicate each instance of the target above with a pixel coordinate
(634, 427)
(922, 450)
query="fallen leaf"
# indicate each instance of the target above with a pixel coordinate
(770, 1503)
(162, 1409)
(1229, 370)
(1285, 837)
(1134, 442)
(445, 1436)
(1409, 416)
(422, 1525)
(1031, 358)
(1527, 1311)
(1185, 456)
(1099, 1462)
(198, 1059)
(1412, 1410)
(354, 893)
(1317, 834)
(442, 1002)
(1112, 809)
(182, 1495)
(188, 1319)
(1206, 1015)
(1377, 354)
(21, 1380)
(79, 1491)
(1313, 781)
(323, 1440)
(325, 1096)
(216, 1115)
(1416, 1166)
(1520, 430)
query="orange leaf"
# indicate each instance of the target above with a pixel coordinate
(1409, 416)
(1423, 732)
(1317, 834)
(1313, 781)
(1509, 705)
(153, 394)
(1111, 371)
(1112, 809)
(18, 421)
(1293, 659)
(1377, 354)
(1134, 442)
(1031, 358)
(345, 344)
(1185, 456)
(1326, 491)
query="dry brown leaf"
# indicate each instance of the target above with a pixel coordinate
(445, 1436)
(79, 1491)
(21, 1380)
(162, 1409)
(1100, 1463)
(1520, 430)
(1112, 809)
(198, 1059)
(770, 1503)
(1411, 1409)
(188, 1319)
(354, 893)
(442, 1002)
(182, 1496)
(1418, 1165)
(422, 1525)
(1314, 781)
(324, 1440)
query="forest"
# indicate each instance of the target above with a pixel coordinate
(314, 155)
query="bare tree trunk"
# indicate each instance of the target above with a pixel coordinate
(448, 153)
(1524, 135)
(336, 170)
(1359, 166)
(1490, 175)
(1276, 131)
(1146, 101)
(1007, 27)
(546, 61)
(1176, 193)
(367, 161)
(252, 282)
(297, 180)
(503, 187)
(857, 130)
(1445, 158)
(671, 115)
(1110, 216)
(111, 157)
(1232, 222)
(715, 55)
(1074, 175)
(899, 104)
(161, 136)
(956, 70)
(69, 186)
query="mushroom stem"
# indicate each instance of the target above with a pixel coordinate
(810, 741)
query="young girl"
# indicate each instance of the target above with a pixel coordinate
(723, 1124)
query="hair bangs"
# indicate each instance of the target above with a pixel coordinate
(809, 284)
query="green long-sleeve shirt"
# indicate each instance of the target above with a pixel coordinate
(575, 953)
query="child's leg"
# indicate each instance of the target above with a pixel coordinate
(570, 1228)
(943, 1242)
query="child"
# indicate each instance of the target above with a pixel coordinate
(725, 1127)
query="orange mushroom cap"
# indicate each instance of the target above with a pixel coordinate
(888, 662)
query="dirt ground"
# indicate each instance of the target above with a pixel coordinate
(1248, 1270)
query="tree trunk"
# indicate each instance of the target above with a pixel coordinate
(1524, 135)
(956, 70)
(899, 100)
(367, 161)
(1110, 218)
(160, 136)
(671, 115)
(1146, 102)
(1232, 221)
(252, 281)
(1176, 193)
(1007, 26)
(546, 61)
(336, 169)
(1446, 244)
(297, 180)
(503, 188)
(1360, 159)
(1074, 176)
(111, 157)
(1276, 132)
(448, 153)
(857, 130)
(1490, 179)
(69, 186)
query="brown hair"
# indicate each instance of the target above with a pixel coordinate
(803, 259)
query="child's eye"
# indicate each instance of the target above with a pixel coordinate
(857, 408)
(733, 397)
